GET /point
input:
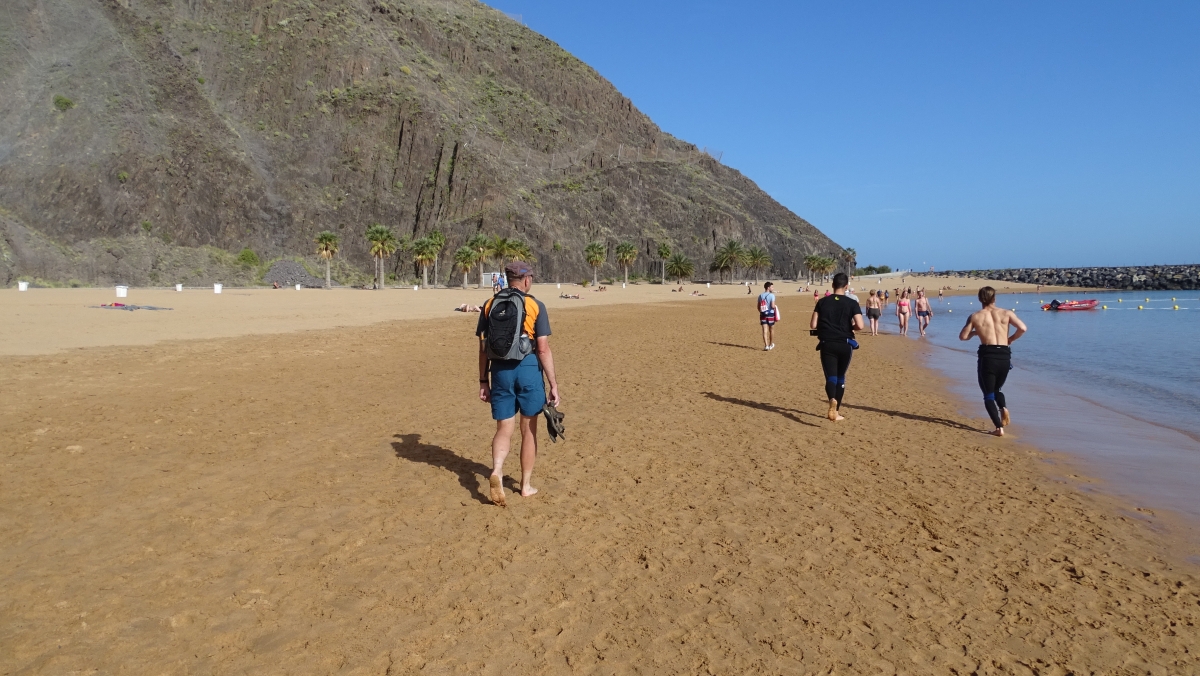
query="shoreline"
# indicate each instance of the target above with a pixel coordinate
(317, 499)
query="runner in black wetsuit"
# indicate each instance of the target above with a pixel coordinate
(835, 319)
(995, 356)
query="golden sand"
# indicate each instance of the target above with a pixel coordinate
(317, 502)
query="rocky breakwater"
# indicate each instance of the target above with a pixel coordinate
(1149, 278)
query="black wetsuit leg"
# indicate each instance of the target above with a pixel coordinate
(995, 361)
(835, 360)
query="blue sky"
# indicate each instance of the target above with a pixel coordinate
(953, 134)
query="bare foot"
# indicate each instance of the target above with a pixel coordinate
(833, 411)
(528, 491)
(1004, 419)
(998, 432)
(498, 490)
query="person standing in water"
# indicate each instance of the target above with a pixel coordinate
(874, 310)
(835, 318)
(902, 309)
(924, 311)
(991, 326)
(768, 314)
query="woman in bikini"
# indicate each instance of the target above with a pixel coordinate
(902, 310)
(874, 310)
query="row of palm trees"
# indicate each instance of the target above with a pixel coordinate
(426, 251)
(481, 249)
(733, 255)
(823, 266)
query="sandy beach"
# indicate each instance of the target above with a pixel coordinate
(254, 483)
(40, 321)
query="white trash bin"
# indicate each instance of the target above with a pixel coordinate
(297, 287)
(217, 288)
(122, 291)
(22, 286)
(179, 287)
(416, 287)
(709, 285)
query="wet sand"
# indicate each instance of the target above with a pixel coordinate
(315, 501)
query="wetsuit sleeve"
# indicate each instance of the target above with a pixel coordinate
(542, 326)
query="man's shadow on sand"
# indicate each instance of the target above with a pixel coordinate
(789, 413)
(744, 347)
(913, 416)
(409, 447)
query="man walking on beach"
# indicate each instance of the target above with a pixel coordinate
(768, 314)
(514, 348)
(924, 311)
(835, 318)
(995, 356)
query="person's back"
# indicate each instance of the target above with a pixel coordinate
(991, 325)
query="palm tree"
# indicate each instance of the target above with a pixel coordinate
(729, 257)
(425, 251)
(679, 267)
(327, 248)
(664, 252)
(481, 245)
(757, 260)
(626, 254)
(465, 258)
(850, 256)
(383, 244)
(439, 242)
(595, 254)
(519, 251)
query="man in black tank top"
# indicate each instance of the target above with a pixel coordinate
(835, 318)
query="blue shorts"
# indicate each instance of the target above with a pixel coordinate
(517, 385)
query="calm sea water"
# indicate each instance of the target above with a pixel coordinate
(1119, 389)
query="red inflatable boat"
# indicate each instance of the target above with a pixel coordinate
(1070, 305)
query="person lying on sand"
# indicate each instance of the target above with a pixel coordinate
(572, 296)
(697, 293)
(467, 308)
(274, 285)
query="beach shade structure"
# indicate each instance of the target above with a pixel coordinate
(122, 291)
(22, 286)
(179, 287)
(217, 288)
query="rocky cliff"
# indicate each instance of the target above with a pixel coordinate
(1149, 278)
(162, 126)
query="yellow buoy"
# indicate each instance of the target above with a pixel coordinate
(1139, 307)
(1104, 307)
(1176, 307)
(1147, 300)
(1120, 301)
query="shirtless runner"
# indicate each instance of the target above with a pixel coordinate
(991, 325)
(924, 311)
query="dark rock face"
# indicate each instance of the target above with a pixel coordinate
(291, 273)
(1148, 278)
(259, 124)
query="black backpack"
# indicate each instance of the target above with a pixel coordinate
(505, 319)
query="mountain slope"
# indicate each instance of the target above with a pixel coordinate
(254, 123)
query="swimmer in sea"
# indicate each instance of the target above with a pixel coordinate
(991, 326)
